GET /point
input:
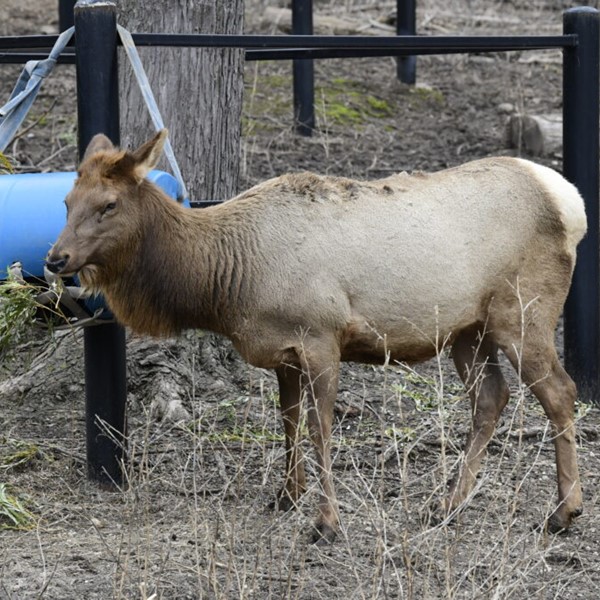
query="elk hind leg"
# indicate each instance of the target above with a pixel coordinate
(541, 370)
(476, 358)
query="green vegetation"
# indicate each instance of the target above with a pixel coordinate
(226, 423)
(341, 102)
(425, 95)
(401, 434)
(267, 102)
(345, 102)
(379, 106)
(245, 435)
(17, 311)
(425, 393)
(13, 515)
(20, 311)
(22, 455)
(341, 114)
(5, 165)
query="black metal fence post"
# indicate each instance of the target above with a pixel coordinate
(65, 14)
(105, 369)
(406, 24)
(304, 72)
(581, 91)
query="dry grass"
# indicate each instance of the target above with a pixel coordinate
(193, 520)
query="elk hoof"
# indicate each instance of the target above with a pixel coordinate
(555, 525)
(323, 535)
(559, 524)
(433, 518)
(446, 511)
(283, 502)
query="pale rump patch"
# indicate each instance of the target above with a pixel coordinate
(566, 198)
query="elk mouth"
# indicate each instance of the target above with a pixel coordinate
(87, 274)
(63, 265)
(57, 266)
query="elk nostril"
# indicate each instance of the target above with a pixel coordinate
(56, 266)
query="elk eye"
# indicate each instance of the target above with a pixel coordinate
(109, 207)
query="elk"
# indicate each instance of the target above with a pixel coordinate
(304, 271)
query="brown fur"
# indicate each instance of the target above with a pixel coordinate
(304, 271)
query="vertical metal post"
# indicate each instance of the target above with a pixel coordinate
(65, 14)
(105, 369)
(581, 92)
(304, 74)
(406, 24)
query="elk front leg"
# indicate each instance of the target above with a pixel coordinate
(320, 377)
(290, 398)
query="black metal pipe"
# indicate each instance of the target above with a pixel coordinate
(326, 53)
(581, 90)
(25, 42)
(415, 44)
(18, 58)
(68, 56)
(444, 44)
(105, 367)
(65, 14)
(406, 24)
(303, 71)
(204, 203)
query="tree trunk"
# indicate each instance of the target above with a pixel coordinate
(198, 90)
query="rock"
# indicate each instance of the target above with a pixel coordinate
(506, 108)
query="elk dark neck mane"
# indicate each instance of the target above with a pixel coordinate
(184, 268)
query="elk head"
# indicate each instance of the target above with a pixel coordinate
(103, 209)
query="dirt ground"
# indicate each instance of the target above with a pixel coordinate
(194, 519)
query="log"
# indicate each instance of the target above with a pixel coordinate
(537, 135)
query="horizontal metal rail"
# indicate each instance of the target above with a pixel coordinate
(205, 203)
(414, 43)
(20, 55)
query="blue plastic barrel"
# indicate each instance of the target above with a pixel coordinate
(32, 215)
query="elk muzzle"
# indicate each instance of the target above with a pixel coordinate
(56, 264)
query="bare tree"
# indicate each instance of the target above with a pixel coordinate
(199, 90)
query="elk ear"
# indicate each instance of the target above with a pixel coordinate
(98, 143)
(146, 157)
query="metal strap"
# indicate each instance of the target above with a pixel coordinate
(146, 90)
(13, 113)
